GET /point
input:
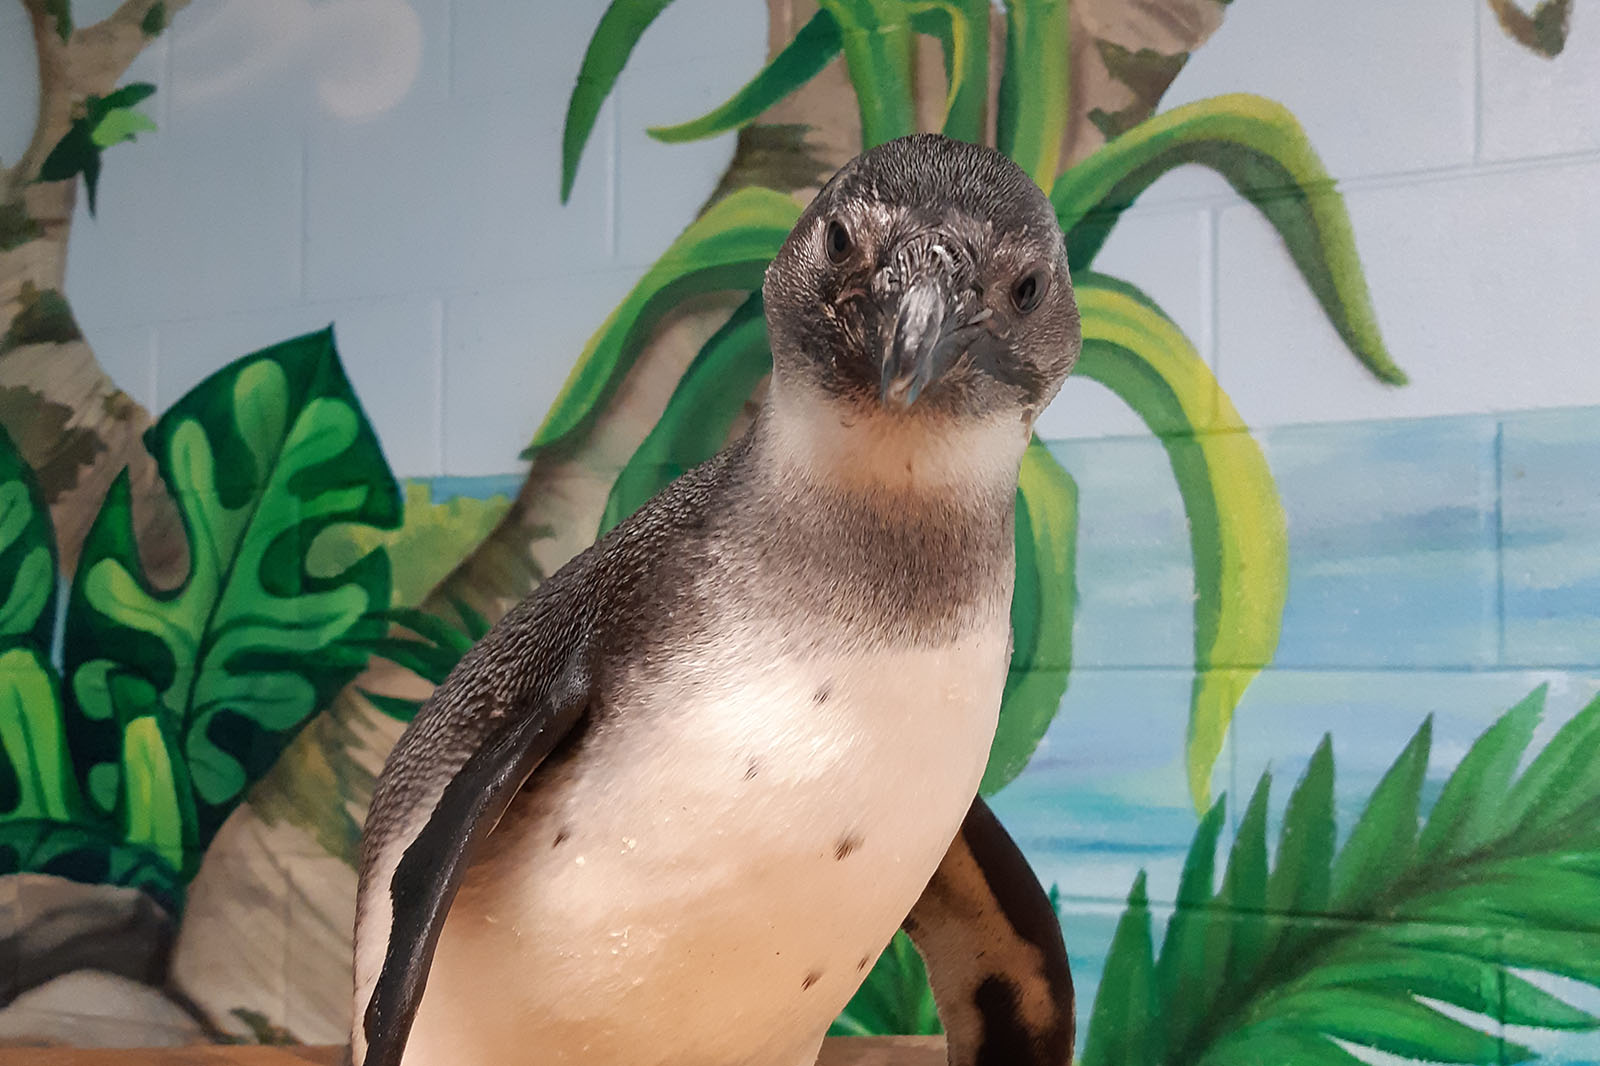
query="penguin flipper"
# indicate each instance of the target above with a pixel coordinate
(994, 952)
(432, 866)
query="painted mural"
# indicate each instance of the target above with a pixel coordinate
(217, 619)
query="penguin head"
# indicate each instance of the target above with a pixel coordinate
(927, 277)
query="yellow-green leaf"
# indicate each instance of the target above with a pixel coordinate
(152, 808)
(33, 740)
(1236, 523)
(727, 248)
(802, 59)
(1042, 609)
(1033, 87)
(1261, 150)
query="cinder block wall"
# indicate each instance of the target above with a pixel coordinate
(1443, 536)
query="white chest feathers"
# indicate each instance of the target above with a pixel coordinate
(708, 882)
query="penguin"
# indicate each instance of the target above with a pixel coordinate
(670, 809)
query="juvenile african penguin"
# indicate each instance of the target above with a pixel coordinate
(669, 810)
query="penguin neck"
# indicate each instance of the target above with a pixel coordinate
(808, 440)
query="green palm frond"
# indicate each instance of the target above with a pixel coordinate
(1259, 147)
(620, 28)
(1237, 529)
(876, 35)
(725, 249)
(1379, 944)
(1033, 87)
(802, 59)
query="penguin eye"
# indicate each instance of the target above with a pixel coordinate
(838, 241)
(1028, 292)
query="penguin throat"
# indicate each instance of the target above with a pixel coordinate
(855, 448)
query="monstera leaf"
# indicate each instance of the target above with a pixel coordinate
(45, 826)
(1460, 910)
(179, 698)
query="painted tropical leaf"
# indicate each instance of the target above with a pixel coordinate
(1262, 151)
(1033, 101)
(27, 554)
(1451, 924)
(727, 248)
(431, 653)
(708, 399)
(895, 999)
(620, 28)
(1043, 605)
(89, 854)
(179, 698)
(876, 37)
(962, 28)
(802, 59)
(106, 120)
(1237, 529)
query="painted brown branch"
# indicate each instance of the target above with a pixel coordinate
(76, 428)
(1544, 32)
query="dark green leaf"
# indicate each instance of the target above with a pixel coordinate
(206, 682)
(1461, 925)
(1465, 813)
(98, 107)
(155, 20)
(802, 59)
(727, 248)
(88, 855)
(1183, 975)
(1239, 934)
(619, 30)
(76, 153)
(1043, 605)
(1383, 841)
(27, 555)
(1300, 882)
(1563, 776)
(698, 418)
(1126, 1017)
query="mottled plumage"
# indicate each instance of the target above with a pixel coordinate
(672, 805)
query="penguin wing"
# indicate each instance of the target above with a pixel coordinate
(445, 786)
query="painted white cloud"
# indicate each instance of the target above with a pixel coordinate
(360, 55)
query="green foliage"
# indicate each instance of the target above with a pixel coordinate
(876, 36)
(1496, 883)
(701, 413)
(155, 20)
(213, 677)
(895, 998)
(17, 227)
(1259, 147)
(802, 59)
(431, 540)
(432, 657)
(620, 28)
(1237, 529)
(962, 29)
(1033, 87)
(104, 121)
(60, 11)
(1043, 605)
(179, 698)
(727, 248)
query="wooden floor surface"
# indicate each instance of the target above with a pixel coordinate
(853, 1051)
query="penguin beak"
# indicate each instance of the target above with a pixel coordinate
(927, 335)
